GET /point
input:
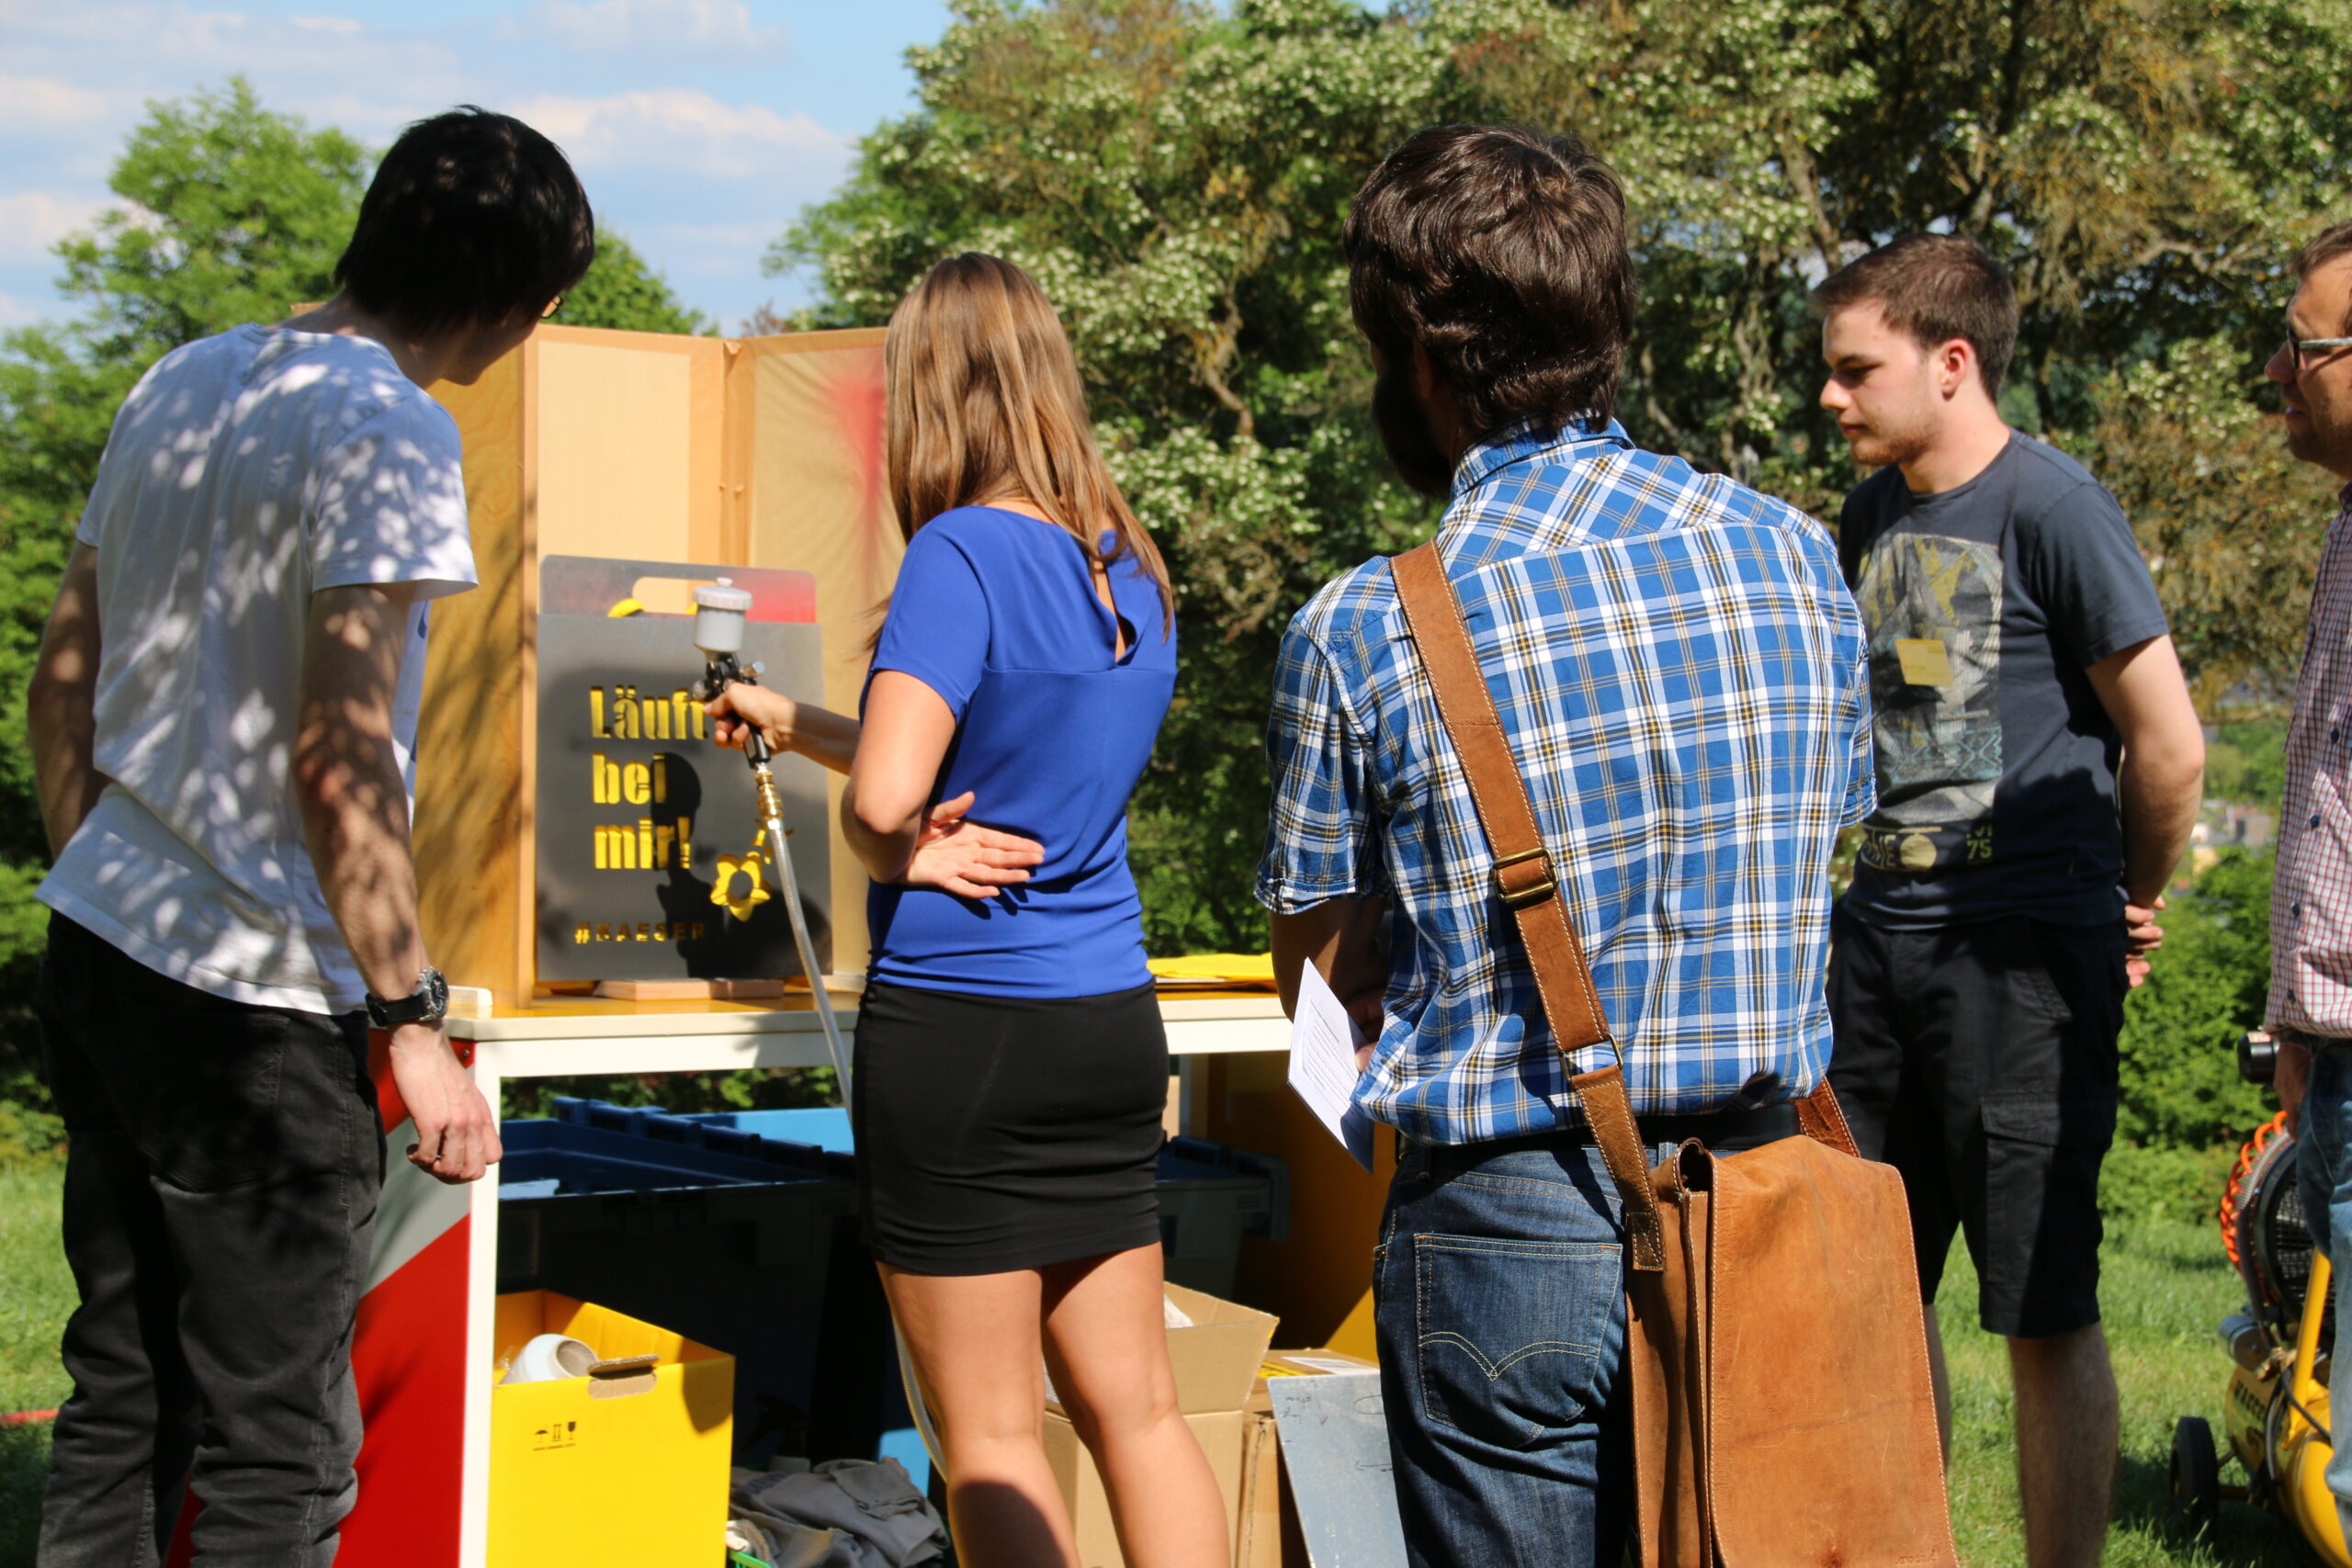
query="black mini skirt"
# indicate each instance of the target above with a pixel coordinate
(1003, 1132)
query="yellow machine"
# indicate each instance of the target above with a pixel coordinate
(2276, 1402)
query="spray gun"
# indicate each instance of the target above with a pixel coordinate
(720, 611)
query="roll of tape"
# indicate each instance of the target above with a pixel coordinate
(549, 1357)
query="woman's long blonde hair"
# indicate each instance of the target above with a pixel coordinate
(985, 406)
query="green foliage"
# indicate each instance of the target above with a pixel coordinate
(688, 1094)
(2164, 1183)
(1176, 175)
(2247, 762)
(2206, 986)
(622, 291)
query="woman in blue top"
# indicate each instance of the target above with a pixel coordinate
(1011, 1068)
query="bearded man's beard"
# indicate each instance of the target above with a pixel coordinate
(1405, 435)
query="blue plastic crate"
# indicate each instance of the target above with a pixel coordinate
(1210, 1195)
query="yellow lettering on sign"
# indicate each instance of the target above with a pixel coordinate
(583, 931)
(615, 848)
(657, 718)
(645, 843)
(596, 713)
(679, 702)
(661, 777)
(637, 784)
(605, 779)
(685, 844)
(625, 714)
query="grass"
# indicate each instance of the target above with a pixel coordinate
(2165, 1287)
(35, 1294)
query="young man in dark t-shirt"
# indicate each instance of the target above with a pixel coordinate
(2039, 768)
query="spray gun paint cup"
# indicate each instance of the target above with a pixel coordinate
(720, 610)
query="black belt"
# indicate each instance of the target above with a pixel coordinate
(1724, 1131)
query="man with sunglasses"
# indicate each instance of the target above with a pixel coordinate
(2311, 900)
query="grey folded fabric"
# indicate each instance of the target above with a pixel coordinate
(846, 1513)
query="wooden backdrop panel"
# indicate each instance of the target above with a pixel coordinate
(471, 827)
(808, 447)
(629, 425)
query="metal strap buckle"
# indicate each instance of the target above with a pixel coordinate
(1534, 893)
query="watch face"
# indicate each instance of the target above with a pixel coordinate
(437, 995)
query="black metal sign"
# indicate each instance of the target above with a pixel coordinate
(651, 863)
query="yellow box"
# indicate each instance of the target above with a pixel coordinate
(625, 1468)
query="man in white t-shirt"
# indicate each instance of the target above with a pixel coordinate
(221, 720)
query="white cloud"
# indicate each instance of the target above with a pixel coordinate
(668, 26)
(14, 313)
(33, 220)
(688, 132)
(340, 27)
(44, 103)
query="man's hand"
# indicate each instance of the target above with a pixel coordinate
(456, 1137)
(2142, 936)
(2292, 1076)
(966, 859)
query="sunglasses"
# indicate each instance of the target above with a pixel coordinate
(2307, 352)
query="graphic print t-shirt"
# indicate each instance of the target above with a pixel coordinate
(1986, 605)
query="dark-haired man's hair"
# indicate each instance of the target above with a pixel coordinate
(1935, 287)
(2334, 241)
(472, 219)
(1501, 253)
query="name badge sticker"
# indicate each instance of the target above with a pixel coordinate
(1925, 661)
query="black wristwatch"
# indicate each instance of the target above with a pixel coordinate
(429, 1003)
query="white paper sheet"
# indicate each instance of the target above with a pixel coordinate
(1323, 1042)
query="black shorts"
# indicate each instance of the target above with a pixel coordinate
(997, 1133)
(1980, 1061)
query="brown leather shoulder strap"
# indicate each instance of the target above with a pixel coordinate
(1524, 880)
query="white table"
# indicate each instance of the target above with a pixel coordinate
(434, 1277)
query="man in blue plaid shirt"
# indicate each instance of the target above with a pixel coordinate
(1683, 679)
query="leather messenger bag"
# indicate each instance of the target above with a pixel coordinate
(1775, 1347)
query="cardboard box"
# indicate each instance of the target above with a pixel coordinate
(1219, 1434)
(1216, 1358)
(625, 1469)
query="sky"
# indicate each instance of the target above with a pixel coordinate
(699, 127)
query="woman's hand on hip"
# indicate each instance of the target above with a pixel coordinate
(960, 856)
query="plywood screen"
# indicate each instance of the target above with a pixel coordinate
(471, 832)
(630, 426)
(810, 446)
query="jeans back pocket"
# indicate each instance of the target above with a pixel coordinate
(1516, 1340)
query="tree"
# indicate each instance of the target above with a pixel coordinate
(622, 291)
(231, 213)
(1176, 175)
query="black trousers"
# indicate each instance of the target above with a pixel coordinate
(221, 1185)
(1980, 1061)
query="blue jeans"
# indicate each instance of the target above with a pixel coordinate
(1499, 1286)
(2324, 1175)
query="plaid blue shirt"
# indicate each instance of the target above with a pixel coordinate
(1686, 685)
